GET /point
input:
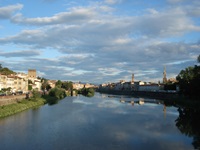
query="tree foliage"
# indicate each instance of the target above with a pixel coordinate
(45, 84)
(55, 94)
(6, 71)
(189, 81)
(30, 87)
(89, 92)
(187, 123)
(58, 93)
(67, 86)
(58, 84)
(36, 94)
(170, 86)
(198, 59)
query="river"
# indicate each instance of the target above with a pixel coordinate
(102, 122)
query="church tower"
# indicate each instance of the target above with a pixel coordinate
(32, 73)
(132, 78)
(164, 75)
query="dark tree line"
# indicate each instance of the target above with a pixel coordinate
(6, 71)
(89, 92)
(189, 80)
(188, 123)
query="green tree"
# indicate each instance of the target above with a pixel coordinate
(198, 59)
(89, 92)
(30, 82)
(67, 86)
(187, 123)
(189, 81)
(45, 84)
(58, 84)
(58, 93)
(6, 71)
(36, 94)
(170, 86)
(30, 87)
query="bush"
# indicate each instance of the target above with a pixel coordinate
(36, 94)
(89, 92)
(55, 94)
(59, 93)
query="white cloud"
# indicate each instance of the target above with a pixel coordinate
(99, 44)
(112, 1)
(152, 11)
(77, 15)
(7, 11)
(23, 53)
(109, 71)
(175, 1)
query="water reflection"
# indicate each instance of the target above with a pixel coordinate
(188, 123)
(100, 122)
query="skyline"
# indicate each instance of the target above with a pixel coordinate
(100, 41)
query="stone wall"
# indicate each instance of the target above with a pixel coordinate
(148, 94)
(6, 100)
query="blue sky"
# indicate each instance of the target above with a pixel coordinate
(99, 41)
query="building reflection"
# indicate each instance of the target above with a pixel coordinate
(164, 110)
(188, 122)
(141, 101)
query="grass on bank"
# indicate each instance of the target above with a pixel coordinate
(20, 106)
(36, 100)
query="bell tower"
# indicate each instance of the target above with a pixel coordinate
(132, 80)
(164, 75)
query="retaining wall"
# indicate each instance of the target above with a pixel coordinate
(148, 94)
(6, 100)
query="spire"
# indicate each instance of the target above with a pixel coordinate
(132, 78)
(164, 75)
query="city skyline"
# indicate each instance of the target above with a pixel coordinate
(100, 41)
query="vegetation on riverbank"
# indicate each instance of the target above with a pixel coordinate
(89, 92)
(37, 99)
(189, 81)
(55, 95)
(184, 103)
(20, 106)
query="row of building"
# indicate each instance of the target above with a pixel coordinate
(76, 85)
(132, 86)
(138, 85)
(20, 81)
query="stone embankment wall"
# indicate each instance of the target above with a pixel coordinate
(148, 94)
(6, 100)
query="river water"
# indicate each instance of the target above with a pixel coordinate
(102, 122)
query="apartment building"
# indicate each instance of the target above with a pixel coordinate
(19, 81)
(78, 86)
(14, 82)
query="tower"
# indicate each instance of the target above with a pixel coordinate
(164, 75)
(132, 78)
(32, 73)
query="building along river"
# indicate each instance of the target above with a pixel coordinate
(101, 122)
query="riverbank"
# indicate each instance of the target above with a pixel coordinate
(20, 106)
(11, 99)
(143, 94)
(169, 98)
(151, 94)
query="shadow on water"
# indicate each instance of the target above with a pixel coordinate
(188, 123)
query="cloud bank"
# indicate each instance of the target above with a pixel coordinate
(97, 43)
